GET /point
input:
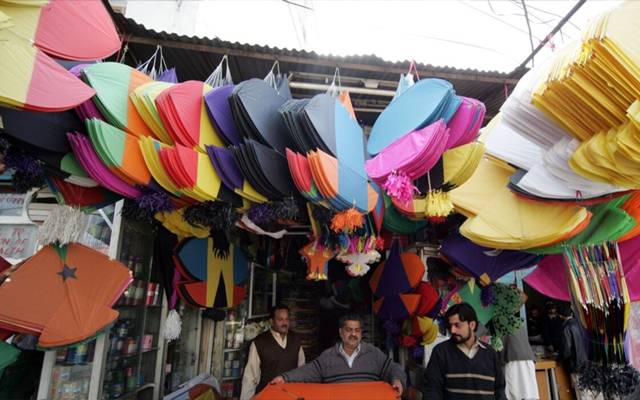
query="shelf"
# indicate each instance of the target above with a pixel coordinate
(231, 378)
(116, 357)
(136, 391)
(232, 350)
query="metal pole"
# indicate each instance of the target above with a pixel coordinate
(553, 32)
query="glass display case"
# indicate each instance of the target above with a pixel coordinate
(134, 340)
(126, 361)
(182, 355)
(234, 352)
(262, 291)
(71, 376)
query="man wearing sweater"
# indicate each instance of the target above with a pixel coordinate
(463, 368)
(349, 361)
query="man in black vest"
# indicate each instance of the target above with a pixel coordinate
(463, 368)
(271, 354)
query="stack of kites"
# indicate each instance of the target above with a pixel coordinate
(579, 161)
(326, 153)
(393, 281)
(76, 287)
(62, 29)
(497, 218)
(410, 140)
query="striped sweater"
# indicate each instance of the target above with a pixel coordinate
(370, 364)
(452, 375)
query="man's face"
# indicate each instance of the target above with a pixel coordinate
(280, 321)
(535, 313)
(552, 313)
(461, 331)
(351, 334)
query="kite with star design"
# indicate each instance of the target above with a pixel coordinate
(62, 293)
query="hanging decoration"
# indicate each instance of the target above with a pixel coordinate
(347, 221)
(507, 301)
(360, 253)
(27, 171)
(146, 206)
(212, 214)
(317, 256)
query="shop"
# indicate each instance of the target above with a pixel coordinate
(152, 216)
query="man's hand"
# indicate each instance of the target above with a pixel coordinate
(397, 385)
(277, 379)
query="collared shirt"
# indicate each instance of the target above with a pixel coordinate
(471, 352)
(347, 357)
(251, 376)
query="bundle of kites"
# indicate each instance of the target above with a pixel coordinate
(423, 145)
(561, 183)
(402, 295)
(76, 286)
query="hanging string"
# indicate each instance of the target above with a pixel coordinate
(414, 68)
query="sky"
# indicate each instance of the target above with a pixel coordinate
(485, 35)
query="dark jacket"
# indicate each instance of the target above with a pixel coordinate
(573, 351)
(552, 332)
(451, 375)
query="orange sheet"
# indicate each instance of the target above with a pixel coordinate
(329, 391)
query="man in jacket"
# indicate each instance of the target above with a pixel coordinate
(573, 351)
(349, 361)
(271, 353)
(463, 368)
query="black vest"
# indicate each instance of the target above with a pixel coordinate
(274, 360)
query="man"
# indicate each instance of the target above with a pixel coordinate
(534, 325)
(271, 353)
(462, 368)
(552, 328)
(351, 360)
(519, 367)
(573, 352)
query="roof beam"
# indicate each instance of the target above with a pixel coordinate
(314, 61)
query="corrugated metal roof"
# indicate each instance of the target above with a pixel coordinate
(195, 58)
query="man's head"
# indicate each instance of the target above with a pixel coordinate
(280, 319)
(534, 312)
(462, 322)
(551, 309)
(565, 311)
(350, 331)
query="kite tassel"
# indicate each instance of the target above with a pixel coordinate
(399, 186)
(172, 326)
(438, 207)
(63, 226)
